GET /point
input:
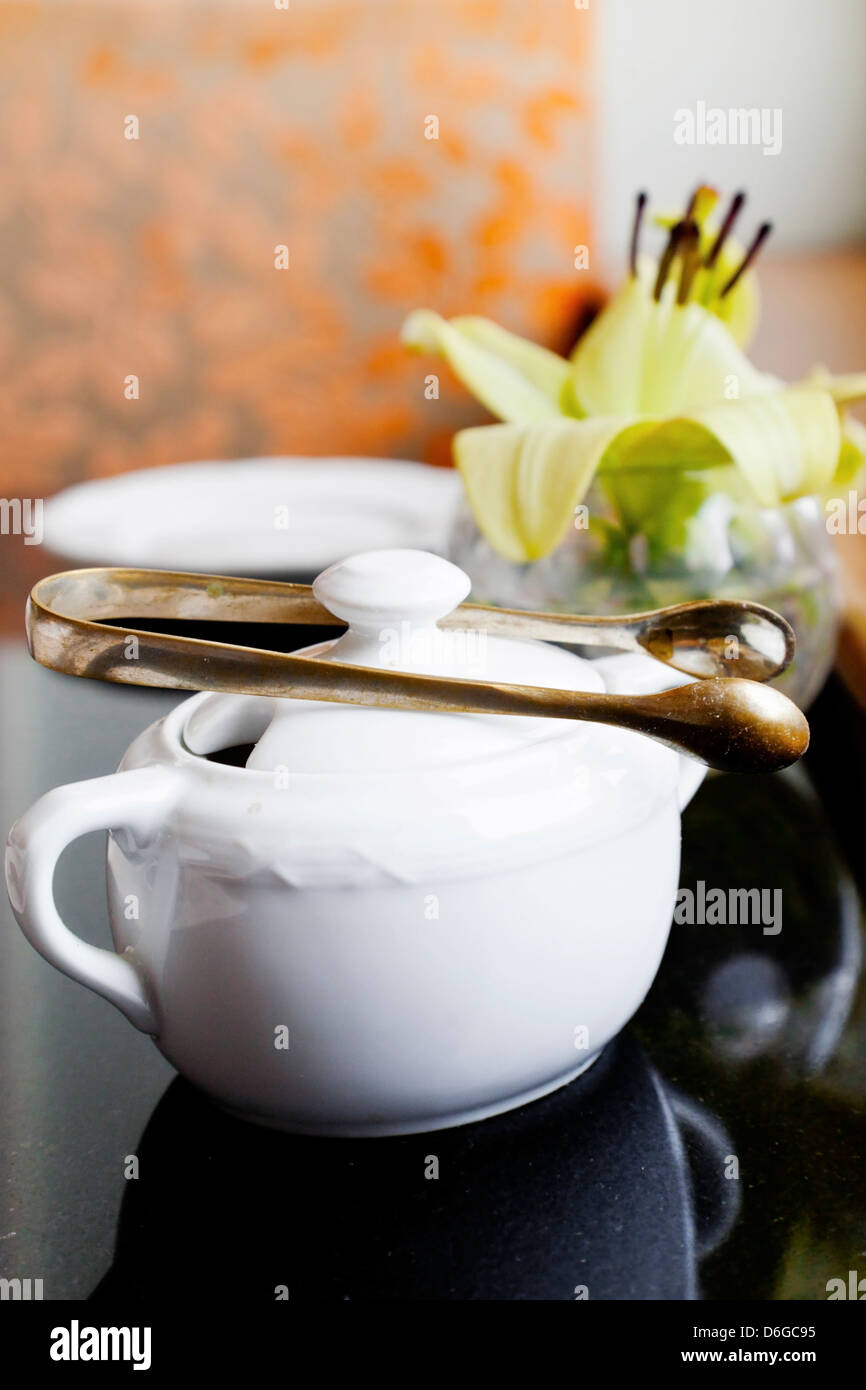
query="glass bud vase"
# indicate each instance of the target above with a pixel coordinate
(782, 557)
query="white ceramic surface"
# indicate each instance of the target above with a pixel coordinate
(261, 516)
(447, 914)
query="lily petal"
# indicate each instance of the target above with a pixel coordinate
(852, 454)
(845, 389)
(786, 445)
(643, 356)
(524, 481)
(514, 378)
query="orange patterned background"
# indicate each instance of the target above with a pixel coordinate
(260, 127)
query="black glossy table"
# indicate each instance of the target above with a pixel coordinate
(715, 1151)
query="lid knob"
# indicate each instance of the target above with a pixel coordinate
(381, 588)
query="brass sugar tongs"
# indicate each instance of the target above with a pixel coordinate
(726, 718)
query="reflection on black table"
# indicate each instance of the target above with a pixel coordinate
(586, 1193)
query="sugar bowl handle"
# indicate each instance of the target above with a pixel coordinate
(137, 801)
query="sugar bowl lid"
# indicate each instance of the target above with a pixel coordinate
(339, 793)
(392, 601)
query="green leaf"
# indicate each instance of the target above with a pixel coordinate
(657, 504)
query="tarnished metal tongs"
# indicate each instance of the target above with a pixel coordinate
(726, 718)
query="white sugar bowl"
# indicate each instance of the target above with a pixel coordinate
(374, 921)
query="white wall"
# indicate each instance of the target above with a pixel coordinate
(806, 57)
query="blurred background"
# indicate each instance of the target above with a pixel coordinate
(309, 127)
(259, 128)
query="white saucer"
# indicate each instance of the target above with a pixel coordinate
(266, 516)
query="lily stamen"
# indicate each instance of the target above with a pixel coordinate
(760, 237)
(724, 231)
(635, 231)
(670, 251)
